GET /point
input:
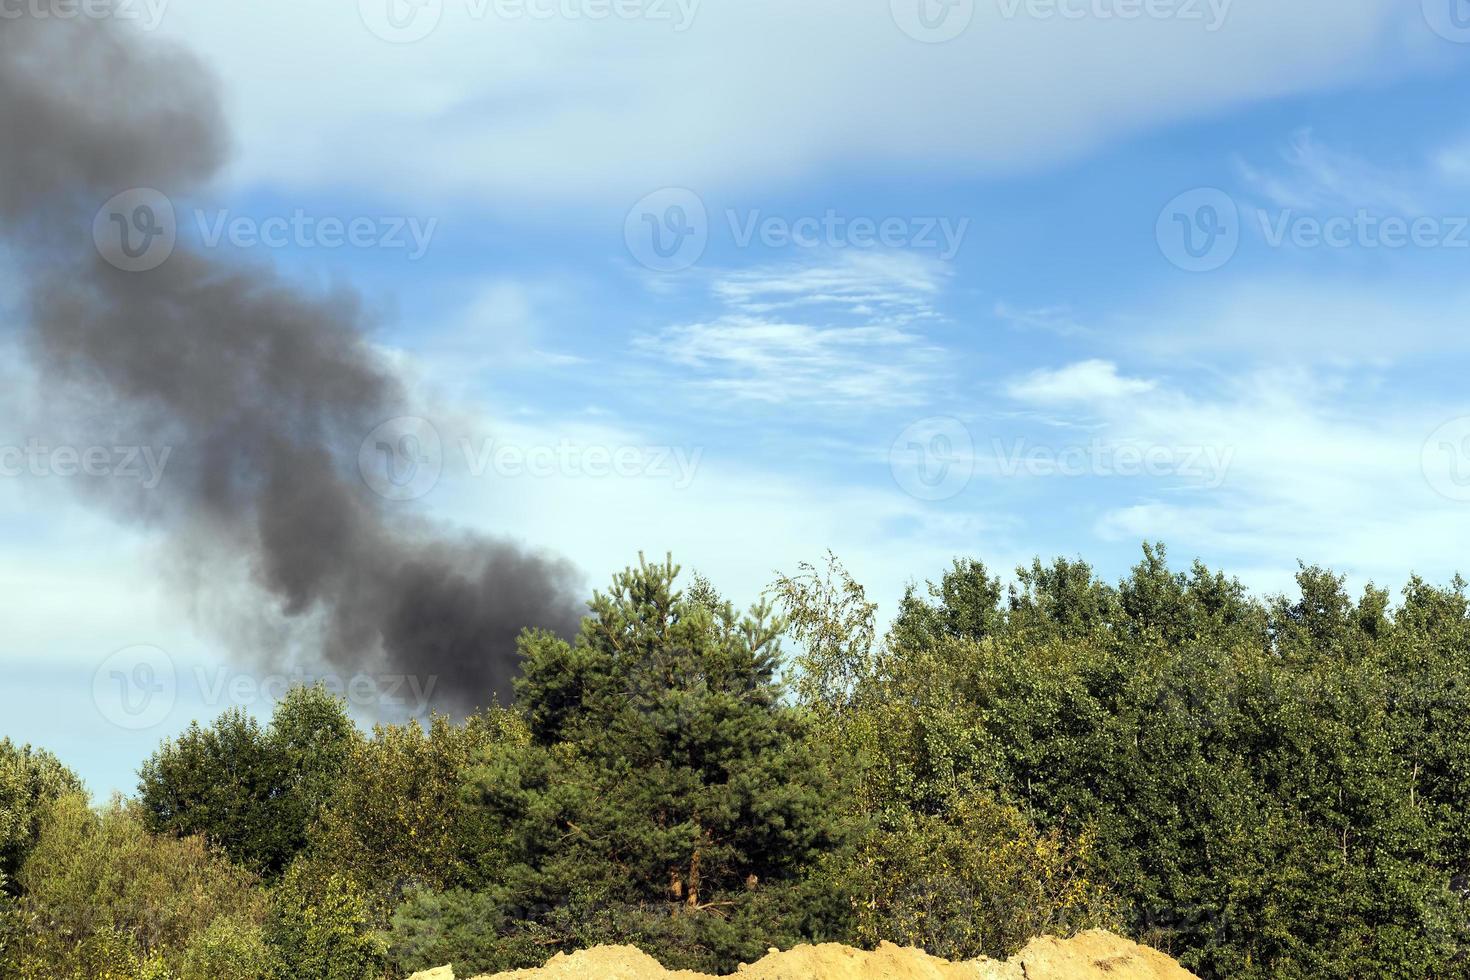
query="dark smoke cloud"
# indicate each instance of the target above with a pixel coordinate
(264, 392)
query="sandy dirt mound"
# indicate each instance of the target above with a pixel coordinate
(1090, 956)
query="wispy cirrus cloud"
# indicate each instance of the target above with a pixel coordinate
(842, 332)
(1313, 175)
(887, 285)
(778, 361)
(1059, 320)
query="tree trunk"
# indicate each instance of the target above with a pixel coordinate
(694, 879)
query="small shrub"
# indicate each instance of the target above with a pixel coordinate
(229, 949)
(320, 929)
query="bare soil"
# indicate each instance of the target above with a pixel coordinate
(1090, 956)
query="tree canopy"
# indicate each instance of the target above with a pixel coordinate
(1263, 787)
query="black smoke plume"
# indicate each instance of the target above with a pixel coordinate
(264, 392)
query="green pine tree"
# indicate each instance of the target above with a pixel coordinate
(666, 796)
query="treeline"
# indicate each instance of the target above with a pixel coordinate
(1262, 788)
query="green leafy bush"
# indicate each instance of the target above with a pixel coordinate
(319, 928)
(979, 881)
(398, 817)
(252, 791)
(228, 949)
(30, 779)
(99, 890)
(459, 927)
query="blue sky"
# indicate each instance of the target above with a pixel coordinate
(1032, 362)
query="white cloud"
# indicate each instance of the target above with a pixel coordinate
(1315, 176)
(1058, 320)
(877, 284)
(779, 362)
(518, 110)
(1086, 382)
(1313, 473)
(855, 344)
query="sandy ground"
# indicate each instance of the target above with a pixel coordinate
(1090, 956)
